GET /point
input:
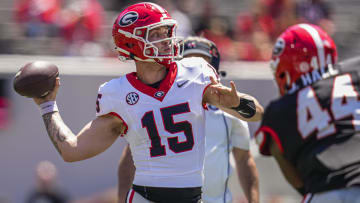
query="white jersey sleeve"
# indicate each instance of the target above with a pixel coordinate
(202, 67)
(104, 104)
(209, 71)
(239, 134)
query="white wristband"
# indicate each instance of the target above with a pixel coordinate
(48, 107)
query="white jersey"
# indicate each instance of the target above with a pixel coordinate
(223, 132)
(165, 126)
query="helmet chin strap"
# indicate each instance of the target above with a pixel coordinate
(123, 58)
(152, 60)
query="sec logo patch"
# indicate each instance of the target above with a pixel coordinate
(132, 98)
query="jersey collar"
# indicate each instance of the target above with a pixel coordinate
(164, 87)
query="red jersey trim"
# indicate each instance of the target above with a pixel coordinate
(131, 196)
(204, 104)
(126, 126)
(307, 198)
(264, 147)
(214, 70)
(164, 87)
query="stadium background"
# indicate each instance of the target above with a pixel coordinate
(23, 139)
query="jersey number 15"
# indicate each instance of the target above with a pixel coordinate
(167, 113)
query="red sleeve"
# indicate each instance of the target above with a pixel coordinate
(263, 136)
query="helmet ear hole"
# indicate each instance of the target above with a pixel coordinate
(129, 45)
(282, 75)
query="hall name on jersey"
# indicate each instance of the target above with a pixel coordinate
(313, 76)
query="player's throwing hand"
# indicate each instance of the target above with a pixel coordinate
(51, 96)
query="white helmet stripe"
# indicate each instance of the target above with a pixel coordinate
(160, 9)
(318, 42)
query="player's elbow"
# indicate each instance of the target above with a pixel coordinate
(68, 153)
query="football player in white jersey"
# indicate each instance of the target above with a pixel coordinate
(159, 109)
(224, 134)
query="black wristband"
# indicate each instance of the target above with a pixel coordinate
(301, 190)
(246, 108)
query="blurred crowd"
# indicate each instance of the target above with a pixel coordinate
(249, 35)
(83, 28)
(46, 188)
(78, 23)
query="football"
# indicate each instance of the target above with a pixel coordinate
(36, 79)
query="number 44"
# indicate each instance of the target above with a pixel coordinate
(312, 117)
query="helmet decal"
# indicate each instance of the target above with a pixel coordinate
(128, 18)
(279, 47)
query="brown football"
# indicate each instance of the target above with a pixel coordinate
(36, 79)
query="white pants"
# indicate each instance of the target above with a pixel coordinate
(345, 195)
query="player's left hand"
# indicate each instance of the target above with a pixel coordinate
(225, 96)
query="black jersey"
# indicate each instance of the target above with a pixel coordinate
(317, 127)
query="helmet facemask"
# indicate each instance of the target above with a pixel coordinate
(162, 47)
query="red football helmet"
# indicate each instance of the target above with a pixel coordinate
(131, 34)
(299, 50)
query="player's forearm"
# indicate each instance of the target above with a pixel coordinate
(126, 171)
(251, 183)
(259, 110)
(124, 186)
(249, 109)
(60, 135)
(248, 177)
(240, 105)
(126, 177)
(287, 168)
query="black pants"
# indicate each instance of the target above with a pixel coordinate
(167, 195)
